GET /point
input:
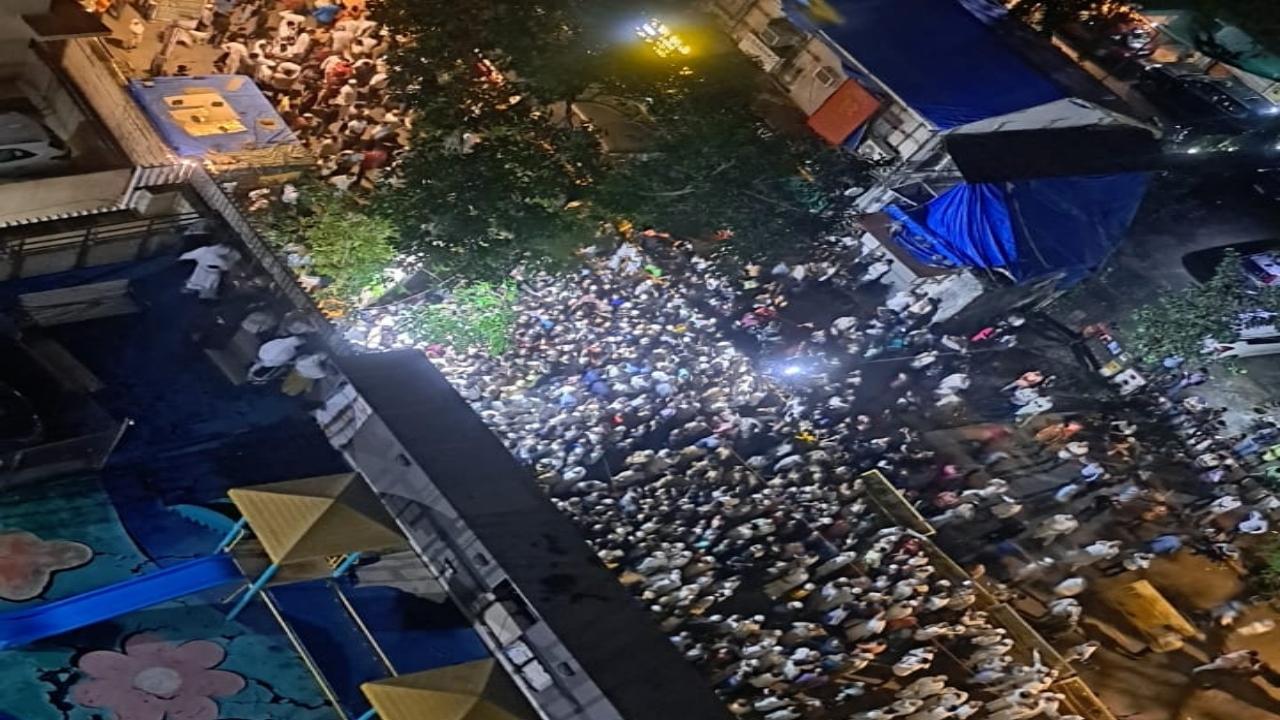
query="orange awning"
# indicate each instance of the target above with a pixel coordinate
(845, 111)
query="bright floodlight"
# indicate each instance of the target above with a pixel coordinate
(662, 40)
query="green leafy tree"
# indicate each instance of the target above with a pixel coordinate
(481, 315)
(1047, 16)
(715, 168)
(503, 172)
(493, 175)
(347, 248)
(1179, 322)
(1265, 573)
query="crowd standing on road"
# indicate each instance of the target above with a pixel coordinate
(731, 500)
(323, 64)
(710, 441)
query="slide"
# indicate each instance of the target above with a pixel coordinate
(21, 627)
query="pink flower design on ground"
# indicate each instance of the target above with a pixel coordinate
(27, 563)
(156, 680)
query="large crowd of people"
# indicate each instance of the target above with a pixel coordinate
(323, 65)
(712, 451)
(711, 440)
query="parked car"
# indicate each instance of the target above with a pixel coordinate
(1244, 348)
(27, 146)
(1189, 96)
(1254, 254)
(1262, 268)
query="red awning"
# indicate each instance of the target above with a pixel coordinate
(847, 108)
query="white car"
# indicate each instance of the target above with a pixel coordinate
(1262, 268)
(27, 146)
(1244, 348)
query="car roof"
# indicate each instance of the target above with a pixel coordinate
(1267, 261)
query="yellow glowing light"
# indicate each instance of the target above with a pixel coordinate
(662, 40)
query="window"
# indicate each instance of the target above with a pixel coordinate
(8, 155)
(789, 74)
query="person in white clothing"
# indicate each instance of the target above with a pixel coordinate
(137, 31)
(211, 262)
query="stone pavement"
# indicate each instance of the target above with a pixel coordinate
(199, 58)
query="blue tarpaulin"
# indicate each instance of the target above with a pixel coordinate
(943, 59)
(1028, 229)
(211, 113)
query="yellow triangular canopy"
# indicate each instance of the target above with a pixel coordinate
(479, 690)
(316, 517)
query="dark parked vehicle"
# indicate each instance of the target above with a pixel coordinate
(1258, 260)
(1191, 97)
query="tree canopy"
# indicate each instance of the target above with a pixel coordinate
(1179, 323)
(1048, 16)
(333, 239)
(504, 167)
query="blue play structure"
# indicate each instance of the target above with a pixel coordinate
(211, 113)
(22, 627)
(1027, 229)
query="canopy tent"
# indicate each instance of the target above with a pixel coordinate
(317, 517)
(1069, 137)
(478, 690)
(1027, 229)
(943, 58)
(211, 114)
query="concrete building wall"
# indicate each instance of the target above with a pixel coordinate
(810, 71)
(460, 563)
(85, 64)
(30, 78)
(71, 194)
(812, 75)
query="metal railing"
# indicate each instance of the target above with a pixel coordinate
(893, 505)
(281, 276)
(93, 245)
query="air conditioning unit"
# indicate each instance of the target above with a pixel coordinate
(780, 33)
(828, 76)
(876, 149)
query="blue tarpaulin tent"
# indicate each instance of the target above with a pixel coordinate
(943, 59)
(1028, 229)
(211, 113)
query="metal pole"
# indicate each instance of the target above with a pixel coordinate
(369, 714)
(254, 589)
(125, 424)
(232, 534)
(346, 564)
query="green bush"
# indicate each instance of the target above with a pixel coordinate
(350, 249)
(479, 315)
(1178, 323)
